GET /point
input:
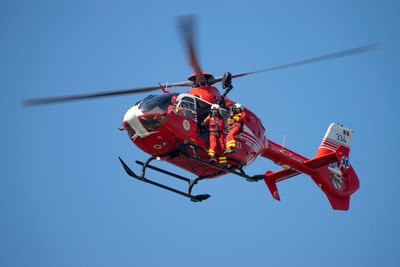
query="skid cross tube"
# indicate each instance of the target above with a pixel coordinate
(196, 198)
(164, 171)
(191, 182)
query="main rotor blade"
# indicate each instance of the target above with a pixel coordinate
(187, 24)
(48, 100)
(349, 52)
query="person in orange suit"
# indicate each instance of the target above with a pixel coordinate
(236, 122)
(216, 126)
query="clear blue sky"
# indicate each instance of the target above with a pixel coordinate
(65, 199)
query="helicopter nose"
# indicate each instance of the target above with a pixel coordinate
(132, 124)
(132, 114)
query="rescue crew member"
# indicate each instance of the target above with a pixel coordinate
(236, 122)
(216, 126)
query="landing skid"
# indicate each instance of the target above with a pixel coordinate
(182, 149)
(192, 182)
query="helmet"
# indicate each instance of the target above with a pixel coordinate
(237, 105)
(215, 106)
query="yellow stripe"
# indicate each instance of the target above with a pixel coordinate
(231, 144)
(222, 160)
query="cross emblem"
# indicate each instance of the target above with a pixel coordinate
(345, 162)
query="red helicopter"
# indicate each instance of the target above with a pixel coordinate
(168, 127)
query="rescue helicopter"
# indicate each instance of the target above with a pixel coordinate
(169, 128)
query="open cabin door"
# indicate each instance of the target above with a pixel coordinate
(203, 110)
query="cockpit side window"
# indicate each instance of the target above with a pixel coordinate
(187, 103)
(186, 108)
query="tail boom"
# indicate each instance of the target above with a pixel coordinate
(330, 169)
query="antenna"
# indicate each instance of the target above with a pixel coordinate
(283, 143)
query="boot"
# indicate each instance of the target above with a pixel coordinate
(212, 159)
(229, 151)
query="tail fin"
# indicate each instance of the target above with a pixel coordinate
(337, 179)
(335, 136)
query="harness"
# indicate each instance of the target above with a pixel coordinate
(214, 124)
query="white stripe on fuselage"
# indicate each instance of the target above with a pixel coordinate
(251, 140)
(251, 137)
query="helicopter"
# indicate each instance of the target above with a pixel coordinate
(169, 128)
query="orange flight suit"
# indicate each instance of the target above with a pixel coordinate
(236, 121)
(216, 126)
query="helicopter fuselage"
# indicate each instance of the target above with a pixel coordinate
(158, 123)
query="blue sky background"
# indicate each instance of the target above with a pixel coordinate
(65, 199)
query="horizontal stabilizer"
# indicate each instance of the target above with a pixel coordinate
(321, 161)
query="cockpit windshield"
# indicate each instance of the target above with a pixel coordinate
(156, 103)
